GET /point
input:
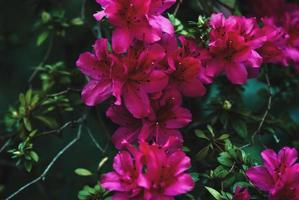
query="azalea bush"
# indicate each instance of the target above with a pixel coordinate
(156, 100)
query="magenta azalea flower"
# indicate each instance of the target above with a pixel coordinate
(184, 66)
(141, 77)
(162, 123)
(232, 48)
(135, 19)
(279, 175)
(273, 49)
(241, 194)
(124, 179)
(149, 172)
(166, 118)
(97, 66)
(129, 129)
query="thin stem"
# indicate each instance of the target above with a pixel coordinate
(5, 145)
(177, 7)
(42, 177)
(48, 52)
(59, 130)
(267, 110)
(95, 141)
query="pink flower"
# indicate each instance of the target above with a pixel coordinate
(184, 66)
(232, 48)
(97, 66)
(161, 126)
(279, 175)
(149, 172)
(141, 77)
(273, 49)
(241, 194)
(135, 19)
(124, 178)
(129, 129)
(166, 118)
(291, 26)
(165, 175)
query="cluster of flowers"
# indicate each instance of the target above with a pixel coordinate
(150, 172)
(279, 175)
(148, 71)
(281, 25)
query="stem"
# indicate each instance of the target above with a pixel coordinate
(42, 177)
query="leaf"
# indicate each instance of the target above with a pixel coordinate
(83, 172)
(28, 97)
(224, 159)
(102, 162)
(42, 38)
(202, 154)
(77, 21)
(220, 172)
(50, 122)
(186, 149)
(223, 137)
(201, 134)
(27, 124)
(45, 16)
(34, 156)
(28, 166)
(195, 176)
(241, 128)
(214, 193)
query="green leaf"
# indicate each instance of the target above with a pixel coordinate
(77, 21)
(45, 16)
(28, 166)
(42, 38)
(83, 172)
(241, 128)
(195, 176)
(225, 159)
(34, 156)
(27, 124)
(50, 122)
(186, 149)
(214, 193)
(223, 137)
(201, 134)
(102, 162)
(202, 154)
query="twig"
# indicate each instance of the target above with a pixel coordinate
(63, 92)
(108, 136)
(267, 110)
(95, 141)
(5, 145)
(59, 130)
(42, 177)
(48, 52)
(177, 7)
(83, 10)
(232, 10)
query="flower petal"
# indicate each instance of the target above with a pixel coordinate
(236, 73)
(181, 117)
(136, 100)
(124, 135)
(261, 178)
(99, 15)
(96, 92)
(89, 65)
(155, 82)
(121, 40)
(182, 184)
